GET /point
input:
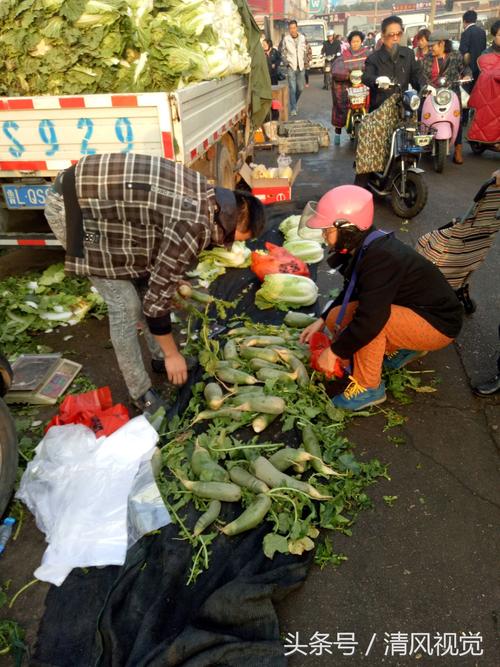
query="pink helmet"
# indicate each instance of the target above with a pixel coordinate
(344, 205)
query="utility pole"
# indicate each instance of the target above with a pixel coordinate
(432, 15)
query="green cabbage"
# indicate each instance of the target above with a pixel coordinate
(285, 291)
(308, 251)
(213, 262)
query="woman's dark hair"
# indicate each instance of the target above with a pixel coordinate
(448, 46)
(470, 16)
(391, 19)
(350, 238)
(355, 33)
(423, 33)
(251, 209)
(495, 28)
(268, 42)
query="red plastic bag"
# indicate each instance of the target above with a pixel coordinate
(277, 260)
(94, 409)
(317, 344)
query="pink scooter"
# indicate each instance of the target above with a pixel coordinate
(441, 111)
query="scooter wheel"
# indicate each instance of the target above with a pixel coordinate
(414, 200)
(439, 158)
(476, 147)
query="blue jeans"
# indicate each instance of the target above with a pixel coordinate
(296, 83)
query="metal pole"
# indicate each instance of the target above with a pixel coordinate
(432, 15)
(375, 20)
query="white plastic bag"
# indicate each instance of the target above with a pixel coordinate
(77, 487)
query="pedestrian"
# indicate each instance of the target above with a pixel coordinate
(369, 41)
(273, 60)
(353, 58)
(309, 55)
(472, 44)
(444, 63)
(330, 50)
(491, 386)
(135, 224)
(294, 53)
(495, 43)
(422, 43)
(391, 62)
(401, 305)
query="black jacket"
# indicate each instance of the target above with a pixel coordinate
(331, 48)
(392, 272)
(473, 42)
(273, 61)
(405, 69)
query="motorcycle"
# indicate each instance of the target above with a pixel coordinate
(358, 96)
(327, 72)
(402, 178)
(441, 112)
(8, 439)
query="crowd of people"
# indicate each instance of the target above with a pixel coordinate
(428, 61)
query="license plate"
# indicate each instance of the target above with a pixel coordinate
(25, 196)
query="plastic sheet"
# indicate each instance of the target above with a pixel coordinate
(78, 486)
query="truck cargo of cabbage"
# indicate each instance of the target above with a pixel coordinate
(58, 47)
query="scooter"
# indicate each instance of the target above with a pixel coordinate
(441, 112)
(327, 72)
(358, 96)
(402, 178)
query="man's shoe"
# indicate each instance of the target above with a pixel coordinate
(293, 112)
(150, 402)
(488, 388)
(396, 360)
(158, 366)
(356, 397)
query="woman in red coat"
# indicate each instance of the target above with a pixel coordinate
(485, 97)
(352, 58)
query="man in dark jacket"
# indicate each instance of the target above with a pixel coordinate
(135, 224)
(401, 307)
(472, 44)
(391, 62)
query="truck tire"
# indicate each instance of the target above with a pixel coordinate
(416, 195)
(8, 456)
(225, 168)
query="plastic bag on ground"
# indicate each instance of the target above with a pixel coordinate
(78, 487)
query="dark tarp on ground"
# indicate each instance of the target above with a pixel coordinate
(144, 614)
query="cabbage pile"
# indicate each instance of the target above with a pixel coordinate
(58, 47)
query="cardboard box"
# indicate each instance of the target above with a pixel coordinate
(271, 190)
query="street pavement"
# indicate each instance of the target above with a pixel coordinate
(427, 564)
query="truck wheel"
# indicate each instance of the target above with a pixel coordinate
(8, 456)
(439, 157)
(225, 171)
(414, 200)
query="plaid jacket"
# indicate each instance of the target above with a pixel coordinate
(143, 217)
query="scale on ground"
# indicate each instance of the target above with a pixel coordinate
(41, 378)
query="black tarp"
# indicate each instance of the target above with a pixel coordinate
(143, 613)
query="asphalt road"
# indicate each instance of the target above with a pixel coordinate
(428, 564)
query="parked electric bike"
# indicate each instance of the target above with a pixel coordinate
(358, 96)
(441, 112)
(402, 178)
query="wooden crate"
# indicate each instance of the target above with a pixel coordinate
(290, 145)
(321, 133)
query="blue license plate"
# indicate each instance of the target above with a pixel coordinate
(25, 196)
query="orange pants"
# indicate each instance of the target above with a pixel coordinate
(403, 330)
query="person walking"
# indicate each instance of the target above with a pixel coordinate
(294, 53)
(472, 44)
(443, 62)
(273, 60)
(422, 39)
(353, 58)
(395, 305)
(135, 224)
